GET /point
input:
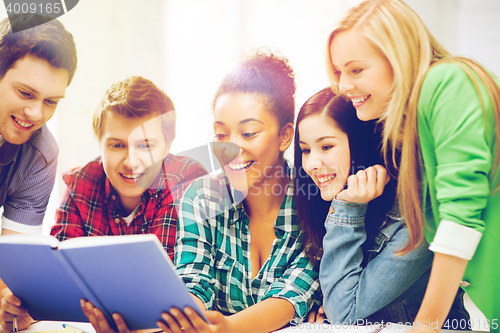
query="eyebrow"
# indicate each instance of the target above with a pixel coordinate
(25, 86)
(321, 139)
(244, 121)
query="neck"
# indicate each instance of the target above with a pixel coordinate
(267, 196)
(129, 204)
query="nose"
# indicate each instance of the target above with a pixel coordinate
(313, 162)
(34, 112)
(235, 147)
(131, 160)
(345, 84)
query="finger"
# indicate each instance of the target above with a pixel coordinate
(321, 310)
(171, 323)
(88, 310)
(371, 182)
(311, 318)
(352, 183)
(382, 178)
(183, 321)
(120, 323)
(102, 321)
(10, 298)
(12, 309)
(198, 323)
(164, 327)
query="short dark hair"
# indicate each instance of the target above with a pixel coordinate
(135, 97)
(267, 75)
(47, 39)
(364, 146)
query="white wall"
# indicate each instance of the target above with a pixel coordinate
(186, 46)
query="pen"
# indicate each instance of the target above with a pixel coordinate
(72, 328)
(14, 324)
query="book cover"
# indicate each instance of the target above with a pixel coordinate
(131, 275)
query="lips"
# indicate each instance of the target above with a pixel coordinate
(239, 166)
(131, 178)
(324, 180)
(22, 124)
(358, 101)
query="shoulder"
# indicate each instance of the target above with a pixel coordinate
(91, 173)
(182, 168)
(44, 144)
(446, 73)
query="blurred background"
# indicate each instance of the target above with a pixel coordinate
(186, 46)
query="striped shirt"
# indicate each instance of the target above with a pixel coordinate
(91, 206)
(212, 253)
(27, 175)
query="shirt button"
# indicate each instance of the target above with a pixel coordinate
(464, 284)
(117, 220)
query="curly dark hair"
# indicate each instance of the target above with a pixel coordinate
(270, 77)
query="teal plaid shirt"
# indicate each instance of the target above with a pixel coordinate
(212, 253)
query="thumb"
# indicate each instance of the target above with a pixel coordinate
(214, 317)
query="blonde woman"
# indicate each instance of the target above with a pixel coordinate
(440, 116)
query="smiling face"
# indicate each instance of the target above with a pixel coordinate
(132, 153)
(29, 93)
(325, 154)
(243, 120)
(363, 73)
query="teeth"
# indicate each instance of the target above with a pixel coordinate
(23, 124)
(359, 100)
(325, 178)
(132, 176)
(239, 166)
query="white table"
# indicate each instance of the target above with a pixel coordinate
(56, 326)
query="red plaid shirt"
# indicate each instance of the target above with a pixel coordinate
(90, 206)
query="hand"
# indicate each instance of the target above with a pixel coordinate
(317, 315)
(10, 306)
(99, 321)
(365, 185)
(190, 322)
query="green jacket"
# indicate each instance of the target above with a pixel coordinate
(457, 140)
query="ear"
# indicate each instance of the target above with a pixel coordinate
(286, 136)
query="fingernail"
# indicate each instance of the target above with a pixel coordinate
(188, 311)
(175, 312)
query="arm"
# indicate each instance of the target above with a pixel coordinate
(69, 222)
(28, 201)
(351, 291)
(194, 261)
(457, 140)
(446, 274)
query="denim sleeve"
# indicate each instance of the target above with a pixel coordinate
(353, 292)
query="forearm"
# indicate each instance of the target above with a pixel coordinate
(269, 315)
(446, 274)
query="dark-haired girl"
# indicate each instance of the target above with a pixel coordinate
(363, 278)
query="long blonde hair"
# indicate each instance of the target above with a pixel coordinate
(399, 34)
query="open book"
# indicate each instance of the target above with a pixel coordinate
(131, 275)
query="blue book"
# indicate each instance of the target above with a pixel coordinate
(131, 275)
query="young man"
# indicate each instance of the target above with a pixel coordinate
(134, 187)
(36, 66)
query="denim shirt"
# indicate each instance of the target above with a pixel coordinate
(365, 282)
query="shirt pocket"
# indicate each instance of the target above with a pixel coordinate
(224, 266)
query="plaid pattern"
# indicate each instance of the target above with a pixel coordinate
(213, 251)
(91, 207)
